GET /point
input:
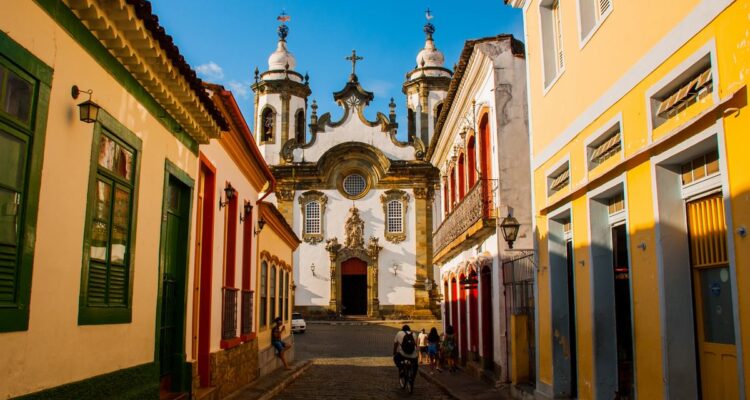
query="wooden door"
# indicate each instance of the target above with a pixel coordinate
(712, 297)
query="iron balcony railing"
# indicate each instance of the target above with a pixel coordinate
(229, 313)
(479, 204)
(247, 312)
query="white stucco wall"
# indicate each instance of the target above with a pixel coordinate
(392, 288)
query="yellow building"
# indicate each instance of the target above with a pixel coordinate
(639, 121)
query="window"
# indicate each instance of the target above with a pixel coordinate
(690, 87)
(394, 217)
(558, 179)
(552, 40)
(703, 166)
(471, 151)
(272, 286)
(395, 203)
(263, 294)
(592, 13)
(608, 144)
(286, 295)
(313, 205)
(267, 124)
(299, 126)
(312, 217)
(107, 269)
(461, 176)
(24, 99)
(354, 184)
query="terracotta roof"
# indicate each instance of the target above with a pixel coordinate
(458, 74)
(151, 21)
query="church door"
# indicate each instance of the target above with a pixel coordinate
(354, 287)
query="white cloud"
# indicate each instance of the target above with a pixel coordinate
(210, 71)
(240, 89)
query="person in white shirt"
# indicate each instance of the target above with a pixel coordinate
(403, 342)
(422, 343)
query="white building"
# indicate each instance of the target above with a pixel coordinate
(360, 200)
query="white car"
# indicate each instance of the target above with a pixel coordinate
(298, 323)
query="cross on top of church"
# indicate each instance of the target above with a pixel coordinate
(354, 58)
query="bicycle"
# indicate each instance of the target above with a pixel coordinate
(406, 375)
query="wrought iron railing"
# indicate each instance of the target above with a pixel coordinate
(247, 312)
(229, 313)
(518, 278)
(478, 204)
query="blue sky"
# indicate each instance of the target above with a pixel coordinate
(224, 40)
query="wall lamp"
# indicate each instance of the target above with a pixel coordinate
(229, 194)
(509, 227)
(88, 110)
(247, 208)
(428, 284)
(261, 224)
(312, 268)
(395, 268)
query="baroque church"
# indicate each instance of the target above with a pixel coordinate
(360, 199)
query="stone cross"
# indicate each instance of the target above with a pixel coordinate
(354, 58)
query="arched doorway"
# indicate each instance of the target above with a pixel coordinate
(485, 283)
(354, 287)
(474, 311)
(463, 328)
(446, 311)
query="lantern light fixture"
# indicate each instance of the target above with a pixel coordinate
(395, 268)
(88, 110)
(247, 209)
(261, 224)
(509, 226)
(229, 194)
(312, 268)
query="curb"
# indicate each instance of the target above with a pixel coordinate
(286, 381)
(439, 384)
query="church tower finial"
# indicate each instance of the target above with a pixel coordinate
(283, 30)
(429, 28)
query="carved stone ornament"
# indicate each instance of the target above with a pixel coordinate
(403, 198)
(354, 229)
(322, 200)
(285, 193)
(424, 193)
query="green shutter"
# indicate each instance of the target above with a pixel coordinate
(24, 99)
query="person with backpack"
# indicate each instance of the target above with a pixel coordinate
(405, 346)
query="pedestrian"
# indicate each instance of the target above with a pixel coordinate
(449, 349)
(433, 345)
(422, 343)
(280, 346)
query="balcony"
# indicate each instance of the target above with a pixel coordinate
(471, 220)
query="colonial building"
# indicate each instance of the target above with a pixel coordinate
(100, 125)
(360, 199)
(232, 178)
(481, 148)
(639, 121)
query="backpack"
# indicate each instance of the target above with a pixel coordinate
(407, 343)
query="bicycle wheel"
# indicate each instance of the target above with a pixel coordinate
(401, 378)
(410, 381)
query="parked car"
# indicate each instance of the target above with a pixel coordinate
(298, 323)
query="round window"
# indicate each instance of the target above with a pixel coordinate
(354, 185)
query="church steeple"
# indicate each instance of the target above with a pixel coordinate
(426, 86)
(280, 99)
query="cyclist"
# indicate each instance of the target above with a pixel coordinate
(405, 346)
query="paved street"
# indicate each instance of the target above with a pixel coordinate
(351, 362)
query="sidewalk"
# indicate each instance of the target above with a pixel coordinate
(272, 384)
(463, 386)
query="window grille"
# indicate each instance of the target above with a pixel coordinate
(604, 6)
(312, 217)
(686, 94)
(560, 181)
(616, 203)
(395, 216)
(354, 184)
(700, 167)
(558, 35)
(606, 149)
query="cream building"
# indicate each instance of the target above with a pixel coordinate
(359, 199)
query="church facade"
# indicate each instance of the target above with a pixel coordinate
(359, 199)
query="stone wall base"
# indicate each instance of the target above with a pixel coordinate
(231, 369)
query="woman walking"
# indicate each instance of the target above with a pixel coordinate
(433, 343)
(449, 349)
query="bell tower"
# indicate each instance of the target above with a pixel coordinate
(280, 100)
(425, 88)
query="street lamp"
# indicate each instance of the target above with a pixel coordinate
(509, 227)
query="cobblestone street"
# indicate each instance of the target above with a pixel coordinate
(351, 362)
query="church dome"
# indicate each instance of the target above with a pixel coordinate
(430, 56)
(281, 57)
